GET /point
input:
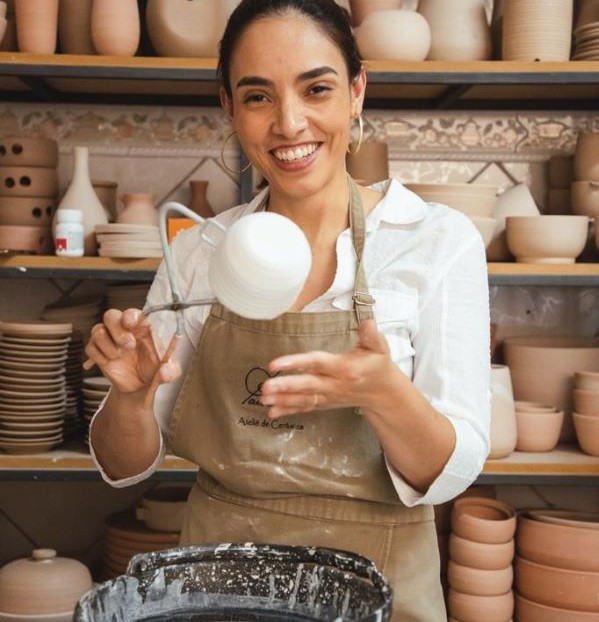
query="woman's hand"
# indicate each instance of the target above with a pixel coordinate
(125, 350)
(321, 380)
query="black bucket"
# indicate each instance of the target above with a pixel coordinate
(242, 582)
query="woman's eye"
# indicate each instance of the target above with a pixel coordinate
(254, 98)
(319, 89)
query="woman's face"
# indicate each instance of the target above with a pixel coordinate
(292, 103)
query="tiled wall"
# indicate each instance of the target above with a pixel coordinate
(159, 150)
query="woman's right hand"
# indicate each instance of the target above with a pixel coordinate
(125, 349)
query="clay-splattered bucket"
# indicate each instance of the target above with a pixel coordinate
(242, 582)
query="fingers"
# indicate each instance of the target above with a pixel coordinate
(371, 339)
(309, 362)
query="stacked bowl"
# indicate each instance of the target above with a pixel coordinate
(586, 411)
(481, 549)
(586, 32)
(584, 189)
(557, 566)
(538, 426)
(28, 193)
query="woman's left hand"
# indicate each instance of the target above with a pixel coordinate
(321, 380)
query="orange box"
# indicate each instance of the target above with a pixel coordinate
(175, 225)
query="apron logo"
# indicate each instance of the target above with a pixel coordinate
(254, 380)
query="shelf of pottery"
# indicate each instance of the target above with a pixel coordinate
(505, 58)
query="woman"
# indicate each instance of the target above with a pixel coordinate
(341, 422)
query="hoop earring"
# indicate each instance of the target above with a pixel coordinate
(360, 137)
(222, 156)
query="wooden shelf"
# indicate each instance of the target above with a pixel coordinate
(193, 81)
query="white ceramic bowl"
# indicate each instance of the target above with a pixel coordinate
(261, 265)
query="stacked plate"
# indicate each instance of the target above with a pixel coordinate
(94, 391)
(126, 536)
(83, 313)
(586, 42)
(126, 295)
(33, 393)
(128, 241)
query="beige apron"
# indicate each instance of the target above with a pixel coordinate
(312, 479)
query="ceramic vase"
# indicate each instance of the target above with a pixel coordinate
(504, 429)
(115, 27)
(459, 29)
(74, 27)
(359, 9)
(199, 200)
(80, 195)
(37, 25)
(139, 208)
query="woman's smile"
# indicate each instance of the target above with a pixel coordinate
(295, 157)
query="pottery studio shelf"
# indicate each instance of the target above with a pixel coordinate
(564, 465)
(104, 268)
(64, 78)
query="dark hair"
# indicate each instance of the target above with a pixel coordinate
(333, 19)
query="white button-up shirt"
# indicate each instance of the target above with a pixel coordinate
(425, 266)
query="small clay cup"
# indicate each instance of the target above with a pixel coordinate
(482, 555)
(587, 433)
(586, 402)
(538, 431)
(483, 520)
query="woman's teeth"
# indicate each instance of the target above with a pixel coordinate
(290, 155)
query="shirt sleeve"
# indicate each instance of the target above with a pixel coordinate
(452, 370)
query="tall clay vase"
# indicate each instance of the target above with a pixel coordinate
(74, 27)
(80, 195)
(199, 200)
(139, 209)
(115, 27)
(359, 9)
(37, 25)
(460, 31)
(504, 430)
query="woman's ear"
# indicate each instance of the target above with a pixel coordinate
(225, 102)
(358, 90)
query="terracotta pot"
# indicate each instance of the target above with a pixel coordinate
(587, 433)
(139, 209)
(586, 380)
(538, 431)
(483, 555)
(585, 198)
(586, 157)
(503, 414)
(480, 582)
(27, 181)
(483, 520)
(74, 27)
(27, 211)
(33, 240)
(530, 611)
(468, 607)
(28, 151)
(359, 9)
(370, 164)
(199, 198)
(586, 401)
(37, 25)
(115, 27)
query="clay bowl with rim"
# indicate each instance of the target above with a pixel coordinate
(553, 239)
(479, 582)
(34, 240)
(483, 520)
(557, 587)
(28, 151)
(27, 181)
(586, 402)
(538, 431)
(482, 555)
(469, 607)
(536, 407)
(587, 433)
(586, 380)
(530, 611)
(27, 211)
(580, 520)
(566, 546)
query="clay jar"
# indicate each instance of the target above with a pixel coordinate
(115, 27)
(199, 198)
(37, 25)
(359, 9)
(74, 27)
(139, 209)
(460, 31)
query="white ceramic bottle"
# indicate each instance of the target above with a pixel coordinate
(80, 195)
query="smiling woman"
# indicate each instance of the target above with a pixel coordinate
(341, 422)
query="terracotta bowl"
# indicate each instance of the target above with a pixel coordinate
(559, 545)
(479, 582)
(468, 607)
(570, 518)
(586, 380)
(557, 587)
(34, 240)
(481, 555)
(483, 520)
(587, 433)
(585, 198)
(27, 211)
(28, 151)
(586, 401)
(529, 611)
(538, 431)
(24, 181)
(546, 239)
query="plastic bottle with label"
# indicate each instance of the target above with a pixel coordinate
(68, 237)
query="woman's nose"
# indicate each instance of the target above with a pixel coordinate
(290, 118)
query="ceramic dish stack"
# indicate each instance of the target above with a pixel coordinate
(586, 411)
(126, 536)
(557, 566)
(586, 42)
(126, 295)
(33, 387)
(28, 193)
(128, 241)
(94, 391)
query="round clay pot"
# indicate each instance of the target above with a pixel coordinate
(530, 611)
(74, 27)
(33, 240)
(25, 181)
(27, 211)
(37, 25)
(483, 520)
(28, 151)
(585, 198)
(538, 431)
(359, 9)
(139, 209)
(479, 582)
(587, 433)
(115, 27)
(468, 607)
(586, 380)
(42, 584)
(586, 157)
(370, 164)
(483, 555)
(586, 401)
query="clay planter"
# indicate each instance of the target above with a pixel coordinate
(28, 151)
(586, 380)
(538, 431)
(482, 555)
(586, 401)
(27, 211)
(115, 27)
(469, 607)
(483, 520)
(25, 181)
(529, 611)
(479, 582)
(74, 27)
(33, 240)
(37, 25)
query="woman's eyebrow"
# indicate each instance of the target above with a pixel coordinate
(317, 72)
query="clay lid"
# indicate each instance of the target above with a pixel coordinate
(42, 583)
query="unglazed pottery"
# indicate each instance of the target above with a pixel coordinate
(468, 607)
(530, 611)
(483, 555)
(370, 164)
(115, 27)
(359, 9)
(27, 211)
(199, 198)
(26, 239)
(37, 25)
(28, 181)
(503, 414)
(162, 508)
(538, 431)
(586, 157)
(586, 401)
(139, 208)
(585, 198)
(28, 151)
(479, 582)
(586, 380)
(483, 520)
(74, 27)
(587, 433)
